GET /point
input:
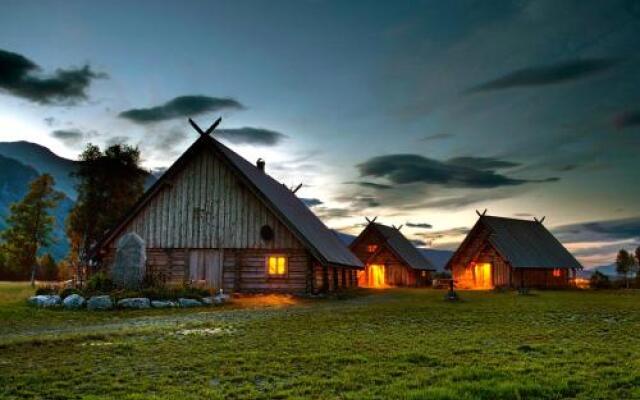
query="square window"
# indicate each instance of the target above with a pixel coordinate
(372, 248)
(276, 265)
(557, 272)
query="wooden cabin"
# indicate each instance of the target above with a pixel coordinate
(511, 253)
(215, 220)
(390, 259)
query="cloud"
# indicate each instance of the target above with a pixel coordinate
(114, 140)
(437, 136)
(547, 75)
(627, 119)
(20, 77)
(254, 136)
(482, 163)
(68, 136)
(451, 236)
(410, 168)
(371, 185)
(421, 225)
(618, 229)
(311, 202)
(331, 213)
(180, 107)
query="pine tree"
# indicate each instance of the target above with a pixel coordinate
(624, 265)
(29, 225)
(109, 183)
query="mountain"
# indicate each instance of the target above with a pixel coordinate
(43, 161)
(14, 183)
(438, 258)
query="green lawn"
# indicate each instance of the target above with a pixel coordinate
(406, 344)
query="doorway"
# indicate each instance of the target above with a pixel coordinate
(205, 268)
(373, 276)
(482, 276)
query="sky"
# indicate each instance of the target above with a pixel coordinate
(419, 113)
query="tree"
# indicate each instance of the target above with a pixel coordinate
(624, 265)
(109, 183)
(48, 268)
(599, 280)
(29, 225)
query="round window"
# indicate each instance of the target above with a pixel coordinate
(266, 233)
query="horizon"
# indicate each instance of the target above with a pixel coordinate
(419, 113)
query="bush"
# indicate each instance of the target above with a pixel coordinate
(599, 281)
(45, 291)
(66, 292)
(99, 283)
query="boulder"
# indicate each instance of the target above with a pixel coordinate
(73, 302)
(100, 303)
(186, 303)
(221, 298)
(163, 304)
(135, 303)
(129, 266)
(45, 300)
(207, 301)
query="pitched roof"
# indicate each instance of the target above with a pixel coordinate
(323, 243)
(403, 248)
(527, 244)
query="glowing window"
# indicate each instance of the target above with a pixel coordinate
(372, 248)
(276, 265)
(556, 272)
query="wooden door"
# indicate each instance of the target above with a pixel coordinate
(483, 276)
(205, 268)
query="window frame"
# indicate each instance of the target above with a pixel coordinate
(557, 273)
(269, 275)
(372, 248)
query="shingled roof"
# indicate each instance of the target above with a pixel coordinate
(323, 243)
(527, 244)
(403, 248)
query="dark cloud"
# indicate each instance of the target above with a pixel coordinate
(547, 75)
(446, 235)
(180, 107)
(19, 76)
(311, 202)
(437, 136)
(371, 185)
(331, 213)
(421, 225)
(114, 140)
(68, 136)
(410, 168)
(618, 229)
(483, 163)
(247, 135)
(50, 121)
(418, 243)
(627, 119)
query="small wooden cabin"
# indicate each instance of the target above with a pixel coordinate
(215, 220)
(511, 253)
(390, 259)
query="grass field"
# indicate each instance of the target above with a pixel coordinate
(404, 344)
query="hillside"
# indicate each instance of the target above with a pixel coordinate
(14, 180)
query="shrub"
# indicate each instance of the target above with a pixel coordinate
(599, 281)
(45, 291)
(66, 292)
(99, 283)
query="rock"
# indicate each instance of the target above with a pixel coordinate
(100, 303)
(130, 264)
(221, 298)
(186, 303)
(74, 302)
(45, 300)
(207, 301)
(135, 303)
(163, 304)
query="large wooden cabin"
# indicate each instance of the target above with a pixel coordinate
(511, 253)
(213, 219)
(390, 259)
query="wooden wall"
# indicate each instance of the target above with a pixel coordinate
(541, 278)
(244, 271)
(206, 206)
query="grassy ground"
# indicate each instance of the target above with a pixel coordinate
(404, 344)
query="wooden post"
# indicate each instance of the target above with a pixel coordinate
(325, 278)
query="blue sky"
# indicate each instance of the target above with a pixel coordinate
(414, 111)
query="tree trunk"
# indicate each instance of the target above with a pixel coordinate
(34, 267)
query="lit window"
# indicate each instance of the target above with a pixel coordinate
(277, 265)
(556, 272)
(372, 248)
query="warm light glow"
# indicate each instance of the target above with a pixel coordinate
(482, 275)
(557, 273)
(372, 248)
(373, 276)
(277, 265)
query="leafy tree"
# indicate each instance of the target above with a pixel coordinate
(625, 264)
(109, 183)
(599, 280)
(29, 225)
(48, 268)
